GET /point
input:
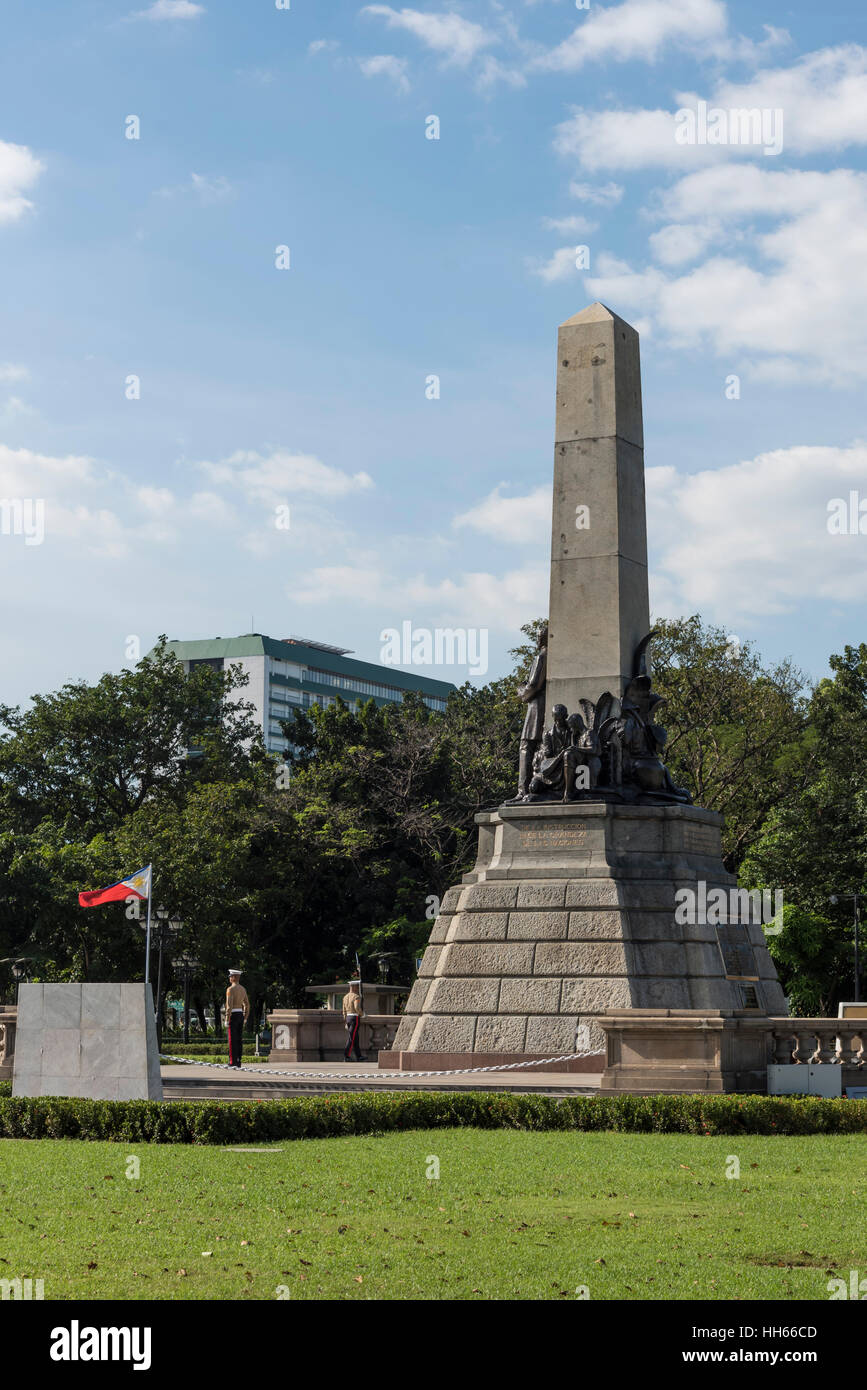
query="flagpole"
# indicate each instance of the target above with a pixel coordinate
(148, 937)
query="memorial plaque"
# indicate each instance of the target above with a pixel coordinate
(849, 1009)
(739, 958)
(555, 837)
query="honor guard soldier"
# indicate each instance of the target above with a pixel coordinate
(237, 1013)
(352, 1013)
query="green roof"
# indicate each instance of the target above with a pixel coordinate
(256, 644)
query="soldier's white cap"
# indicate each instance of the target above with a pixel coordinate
(234, 972)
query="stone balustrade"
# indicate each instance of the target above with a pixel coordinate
(319, 1035)
(819, 1041)
(679, 1051)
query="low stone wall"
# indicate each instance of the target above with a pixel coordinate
(682, 1051)
(319, 1035)
(8, 1023)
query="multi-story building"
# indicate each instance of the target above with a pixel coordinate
(294, 673)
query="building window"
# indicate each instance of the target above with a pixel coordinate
(366, 687)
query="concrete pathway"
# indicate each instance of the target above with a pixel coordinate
(263, 1081)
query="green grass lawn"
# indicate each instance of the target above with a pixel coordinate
(512, 1215)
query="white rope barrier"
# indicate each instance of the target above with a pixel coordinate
(379, 1075)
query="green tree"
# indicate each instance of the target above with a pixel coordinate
(814, 956)
(813, 845)
(91, 755)
(736, 727)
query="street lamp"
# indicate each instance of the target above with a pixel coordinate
(18, 968)
(168, 926)
(189, 967)
(856, 901)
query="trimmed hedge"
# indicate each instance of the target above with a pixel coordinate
(320, 1117)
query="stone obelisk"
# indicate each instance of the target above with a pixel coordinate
(573, 908)
(599, 608)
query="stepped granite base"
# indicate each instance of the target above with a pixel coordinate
(569, 914)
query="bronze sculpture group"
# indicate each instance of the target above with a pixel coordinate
(611, 751)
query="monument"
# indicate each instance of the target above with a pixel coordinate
(96, 1041)
(573, 911)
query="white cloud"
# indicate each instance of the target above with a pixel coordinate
(729, 193)
(800, 312)
(13, 408)
(630, 140)
(605, 195)
(457, 39)
(357, 583)
(170, 9)
(322, 46)
(386, 65)
(83, 498)
(69, 488)
(493, 71)
(13, 371)
(578, 225)
(822, 98)
(559, 266)
(19, 170)
(156, 500)
(526, 520)
(211, 190)
(637, 29)
(211, 509)
(677, 243)
(751, 540)
(207, 189)
(474, 600)
(279, 476)
(484, 600)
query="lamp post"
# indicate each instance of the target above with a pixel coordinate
(168, 926)
(189, 966)
(856, 902)
(17, 969)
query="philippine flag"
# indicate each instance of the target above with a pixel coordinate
(136, 886)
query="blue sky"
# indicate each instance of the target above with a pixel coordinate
(260, 388)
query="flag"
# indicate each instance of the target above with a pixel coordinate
(138, 885)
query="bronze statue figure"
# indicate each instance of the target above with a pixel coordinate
(532, 692)
(612, 751)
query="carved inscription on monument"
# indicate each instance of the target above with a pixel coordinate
(700, 839)
(554, 837)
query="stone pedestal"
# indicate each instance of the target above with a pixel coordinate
(570, 913)
(95, 1041)
(684, 1051)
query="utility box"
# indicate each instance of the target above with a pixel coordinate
(805, 1080)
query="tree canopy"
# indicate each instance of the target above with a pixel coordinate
(286, 876)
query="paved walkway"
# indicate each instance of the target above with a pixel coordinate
(264, 1082)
